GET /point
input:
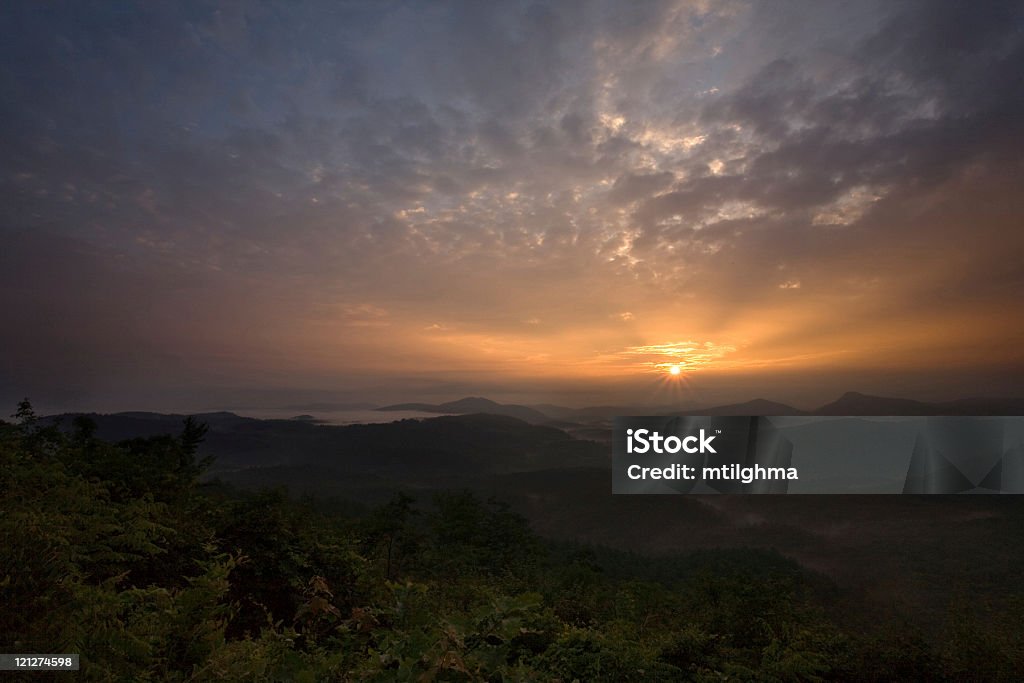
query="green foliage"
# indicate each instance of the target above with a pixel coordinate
(389, 536)
(587, 655)
(116, 552)
(469, 533)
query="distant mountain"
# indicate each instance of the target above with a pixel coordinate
(985, 406)
(604, 413)
(471, 405)
(329, 407)
(855, 403)
(758, 406)
(849, 404)
(420, 407)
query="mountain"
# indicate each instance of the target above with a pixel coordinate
(851, 403)
(329, 407)
(758, 406)
(420, 407)
(855, 403)
(445, 451)
(470, 405)
(984, 406)
(592, 414)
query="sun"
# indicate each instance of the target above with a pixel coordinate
(674, 370)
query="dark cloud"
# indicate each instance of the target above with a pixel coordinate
(633, 186)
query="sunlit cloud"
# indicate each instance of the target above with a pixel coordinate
(850, 207)
(686, 355)
(364, 315)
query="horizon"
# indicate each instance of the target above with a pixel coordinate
(673, 203)
(322, 408)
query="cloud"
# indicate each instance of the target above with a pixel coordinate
(368, 170)
(364, 315)
(687, 355)
(630, 187)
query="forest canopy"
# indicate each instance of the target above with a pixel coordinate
(122, 553)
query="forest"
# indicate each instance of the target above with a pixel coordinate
(124, 553)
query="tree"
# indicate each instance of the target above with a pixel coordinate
(389, 531)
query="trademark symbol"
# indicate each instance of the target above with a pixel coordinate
(718, 431)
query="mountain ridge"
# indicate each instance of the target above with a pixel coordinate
(854, 403)
(474, 404)
(851, 404)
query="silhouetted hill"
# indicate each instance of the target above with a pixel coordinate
(406, 452)
(132, 424)
(849, 404)
(328, 407)
(984, 406)
(475, 405)
(855, 403)
(758, 406)
(421, 407)
(591, 414)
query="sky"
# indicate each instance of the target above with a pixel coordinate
(213, 205)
